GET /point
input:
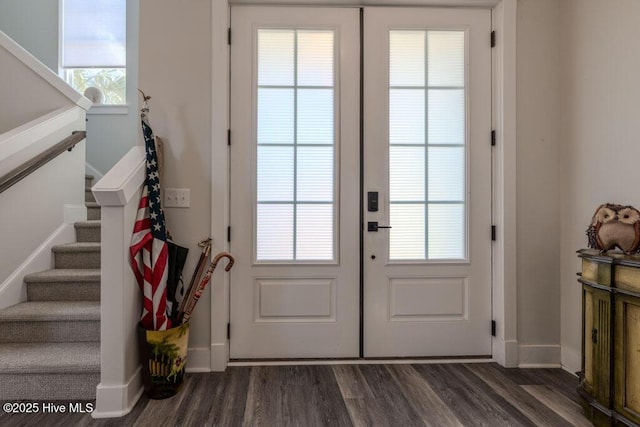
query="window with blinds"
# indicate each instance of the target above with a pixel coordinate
(295, 197)
(427, 138)
(93, 48)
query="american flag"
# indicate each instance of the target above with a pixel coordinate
(148, 248)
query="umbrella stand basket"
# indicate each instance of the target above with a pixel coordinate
(163, 355)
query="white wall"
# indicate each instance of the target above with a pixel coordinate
(175, 70)
(33, 208)
(19, 87)
(538, 191)
(33, 24)
(600, 132)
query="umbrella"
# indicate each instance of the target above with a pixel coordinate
(191, 304)
(206, 248)
(175, 285)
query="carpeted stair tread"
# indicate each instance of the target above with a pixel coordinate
(94, 223)
(88, 231)
(73, 284)
(36, 358)
(64, 275)
(93, 210)
(77, 247)
(88, 195)
(77, 255)
(45, 311)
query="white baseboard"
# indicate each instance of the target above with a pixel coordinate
(219, 356)
(331, 362)
(198, 360)
(505, 353)
(12, 290)
(90, 170)
(539, 356)
(114, 401)
(571, 359)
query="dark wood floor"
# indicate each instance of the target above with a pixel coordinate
(361, 395)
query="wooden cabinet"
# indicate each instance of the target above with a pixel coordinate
(610, 377)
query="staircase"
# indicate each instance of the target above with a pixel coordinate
(50, 344)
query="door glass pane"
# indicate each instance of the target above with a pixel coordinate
(427, 138)
(406, 174)
(407, 58)
(315, 116)
(275, 116)
(446, 174)
(295, 167)
(446, 58)
(315, 58)
(446, 231)
(275, 57)
(314, 232)
(275, 174)
(406, 116)
(315, 174)
(446, 116)
(274, 240)
(407, 240)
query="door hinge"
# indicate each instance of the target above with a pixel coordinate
(228, 136)
(493, 39)
(229, 234)
(493, 233)
(493, 328)
(229, 36)
(493, 138)
(228, 331)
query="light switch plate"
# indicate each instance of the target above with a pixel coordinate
(177, 197)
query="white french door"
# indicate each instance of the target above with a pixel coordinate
(427, 110)
(295, 182)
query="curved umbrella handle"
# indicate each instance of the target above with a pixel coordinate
(221, 255)
(205, 281)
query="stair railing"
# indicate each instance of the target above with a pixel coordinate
(30, 166)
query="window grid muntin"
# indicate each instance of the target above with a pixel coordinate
(426, 87)
(295, 203)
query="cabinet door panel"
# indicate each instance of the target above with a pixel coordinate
(627, 358)
(587, 340)
(597, 343)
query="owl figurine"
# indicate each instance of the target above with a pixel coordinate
(615, 226)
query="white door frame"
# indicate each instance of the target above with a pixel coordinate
(505, 343)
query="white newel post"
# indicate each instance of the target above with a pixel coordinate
(118, 194)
